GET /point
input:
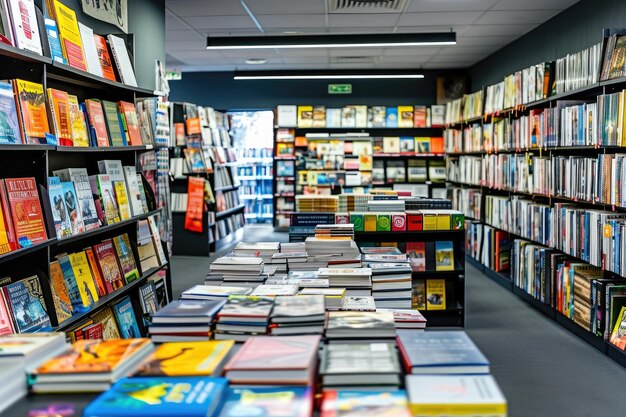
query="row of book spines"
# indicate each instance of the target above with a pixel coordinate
(380, 145)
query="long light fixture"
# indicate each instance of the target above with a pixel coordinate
(331, 41)
(325, 75)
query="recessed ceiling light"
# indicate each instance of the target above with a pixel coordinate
(326, 75)
(256, 61)
(292, 32)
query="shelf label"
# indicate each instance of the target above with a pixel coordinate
(339, 88)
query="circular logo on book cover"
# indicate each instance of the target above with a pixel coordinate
(384, 222)
(398, 222)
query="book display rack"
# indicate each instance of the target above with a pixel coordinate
(255, 167)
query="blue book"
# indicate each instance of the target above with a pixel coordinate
(73, 209)
(60, 215)
(72, 285)
(26, 302)
(268, 402)
(392, 117)
(53, 40)
(126, 319)
(183, 309)
(122, 128)
(441, 352)
(160, 397)
(9, 126)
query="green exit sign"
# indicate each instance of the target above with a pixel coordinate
(339, 88)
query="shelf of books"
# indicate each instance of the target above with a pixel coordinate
(255, 167)
(536, 168)
(353, 149)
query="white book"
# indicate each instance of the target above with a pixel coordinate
(156, 238)
(122, 60)
(273, 290)
(5, 20)
(89, 47)
(333, 117)
(207, 291)
(134, 195)
(24, 24)
(286, 116)
(360, 303)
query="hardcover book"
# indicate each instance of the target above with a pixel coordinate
(6, 323)
(444, 256)
(105, 59)
(186, 359)
(59, 105)
(31, 113)
(365, 362)
(182, 310)
(109, 326)
(9, 125)
(60, 215)
(73, 208)
(102, 190)
(60, 295)
(98, 279)
(26, 302)
(247, 306)
(26, 210)
(86, 205)
(268, 402)
(148, 300)
(305, 116)
(134, 194)
(391, 119)
(80, 136)
(84, 280)
(126, 258)
(435, 294)
(126, 320)
(25, 28)
(107, 261)
(69, 34)
(97, 123)
(405, 116)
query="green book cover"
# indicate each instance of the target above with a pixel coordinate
(113, 123)
(458, 221)
(357, 220)
(383, 223)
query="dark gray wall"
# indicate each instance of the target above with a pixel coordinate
(146, 21)
(219, 90)
(574, 29)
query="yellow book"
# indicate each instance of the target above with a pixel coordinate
(430, 221)
(405, 116)
(370, 222)
(84, 279)
(122, 200)
(422, 144)
(444, 256)
(80, 137)
(436, 294)
(69, 36)
(187, 359)
(311, 178)
(305, 116)
(443, 222)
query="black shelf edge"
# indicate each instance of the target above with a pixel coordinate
(537, 304)
(616, 354)
(106, 300)
(359, 129)
(227, 188)
(595, 341)
(464, 123)
(499, 278)
(409, 155)
(548, 149)
(402, 236)
(456, 274)
(226, 213)
(102, 148)
(25, 251)
(26, 147)
(9, 51)
(104, 229)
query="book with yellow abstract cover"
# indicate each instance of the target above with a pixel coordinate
(84, 279)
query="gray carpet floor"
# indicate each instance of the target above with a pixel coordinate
(543, 369)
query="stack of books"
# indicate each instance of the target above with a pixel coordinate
(304, 279)
(407, 319)
(386, 205)
(263, 250)
(343, 402)
(184, 320)
(317, 203)
(391, 283)
(334, 231)
(333, 297)
(371, 366)
(242, 317)
(280, 360)
(358, 303)
(357, 281)
(304, 314)
(268, 401)
(275, 290)
(364, 326)
(237, 270)
(213, 292)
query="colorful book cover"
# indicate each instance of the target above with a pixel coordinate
(305, 116)
(407, 144)
(112, 123)
(26, 210)
(422, 144)
(93, 332)
(80, 136)
(405, 116)
(160, 396)
(126, 320)
(275, 353)
(268, 402)
(26, 302)
(105, 58)
(618, 335)
(131, 122)
(107, 261)
(84, 279)
(104, 356)
(435, 294)
(186, 358)
(69, 34)
(60, 295)
(72, 285)
(97, 122)
(444, 256)
(52, 31)
(59, 105)
(348, 403)
(102, 187)
(60, 215)
(109, 325)
(134, 194)
(391, 144)
(73, 207)
(148, 299)
(391, 119)
(86, 204)
(31, 111)
(6, 323)
(126, 258)
(122, 200)
(98, 279)
(25, 26)
(376, 116)
(9, 125)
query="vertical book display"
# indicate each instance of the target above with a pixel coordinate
(537, 167)
(255, 173)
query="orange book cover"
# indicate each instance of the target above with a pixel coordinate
(186, 358)
(97, 121)
(105, 57)
(195, 204)
(59, 105)
(436, 145)
(131, 122)
(193, 126)
(95, 272)
(93, 356)
(301, 141)
(32, 111)
(26, 210)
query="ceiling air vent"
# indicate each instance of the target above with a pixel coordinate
(354, 59)
(366, 6)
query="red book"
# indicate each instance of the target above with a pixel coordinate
(93, 332)
(6, 214)
(25, 209)
(131, 122)
(95, 273)
(417, 255)
(398, 222)
(109, 268)
(105, 57)
(97, 122)
(414, 221)
(294, 357)
(419, 116)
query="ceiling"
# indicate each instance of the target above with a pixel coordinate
(482, 27)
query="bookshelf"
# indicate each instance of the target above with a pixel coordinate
(255, 168)
(534, 183)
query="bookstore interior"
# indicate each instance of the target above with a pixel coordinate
(321, 208)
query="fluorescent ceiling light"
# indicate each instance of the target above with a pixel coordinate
(355, 75)
(331, 41)
(256, 61)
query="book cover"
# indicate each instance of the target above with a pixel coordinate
(301, 306)
(358, 303)
(26, 210)
(186, 358)
(72, 285)
(305, 116)
(444, 256)
(31, 113)
(69, 35)
(131, 122)
(126, 320)
(319, 116)
(128, 266)
(377, 116)
(407, 144)
(286, 116)
(422, 144)
(6, 323)
(78, 126)
(97, 122)
(73, 208)
(391, 118)
(102, 189)
(134, 194)
(92, 331)
(348, 116)
(98, 279)
(160, 396)
(121, 196)
(247, 306)
(25, 28)
(112, 123)
(28, 308)
(435, 294)
(86, 205)
(59, 106)
(84, 279)
(268, 402)
(91, 53)
(52, 33)
(391, 144)
(349, 403)
(122, 60)
(275, 353)
(9, 125)
(190, 308)
(618, 334)
(60, 215)
(148, 299)
(104, 57)
(109, 325)
(342, 321)
(618, 59)
(107, 261)
(405, 116)
(419, 116)
(156, 238)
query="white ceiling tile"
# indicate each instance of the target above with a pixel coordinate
(205, 8)
(191, 45)
(533, 4)
(438, 18)
(501, 17)
(458, 50)
(418, 51)
(294, 21)
(181, 35)
(484, 40)
(498, 30)
(406, 59)
(219, 22)
(434, 28)
(362, 20)
(355, 51)
(285, 6)
(419, 6)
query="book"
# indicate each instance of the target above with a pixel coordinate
(618, 58)
(126, 259)
(618, 334)
(8, 240)
(268, 402)
(84, 279)
(444, 256)
(24, 22)
(59, 107)
(25, 300)
(32, 115)
(418, 295)
(104, 57)
(73, 207)
(160, 396)
(6, 322)
(80, 136)
(52, 33)
(26, 212)
(98, 279)
(358, 303)
(360, 324)
(109, 326)
(405, 116)
(9, 125)
(103, 192)
(286, 116)
(350, 403)
(126, 320)
(130, 121)
(122, 60)
(69, 35)
(188, 311)
(72, 285)
(60, 215)
(391, 118)
(360, 364)
(86, 205)
(113, 125)
(91, 53)
(248, 307)
(391, 144)
(97, 123)
(148, 299)
(305, 116)
(435, 294)
(110, 269)
(187, 359)
(376, 116)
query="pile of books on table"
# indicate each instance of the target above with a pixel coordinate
(386, 205)
(236, 271)
(345, 231)
(242, 317)
(185, 320)
(304, 314)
